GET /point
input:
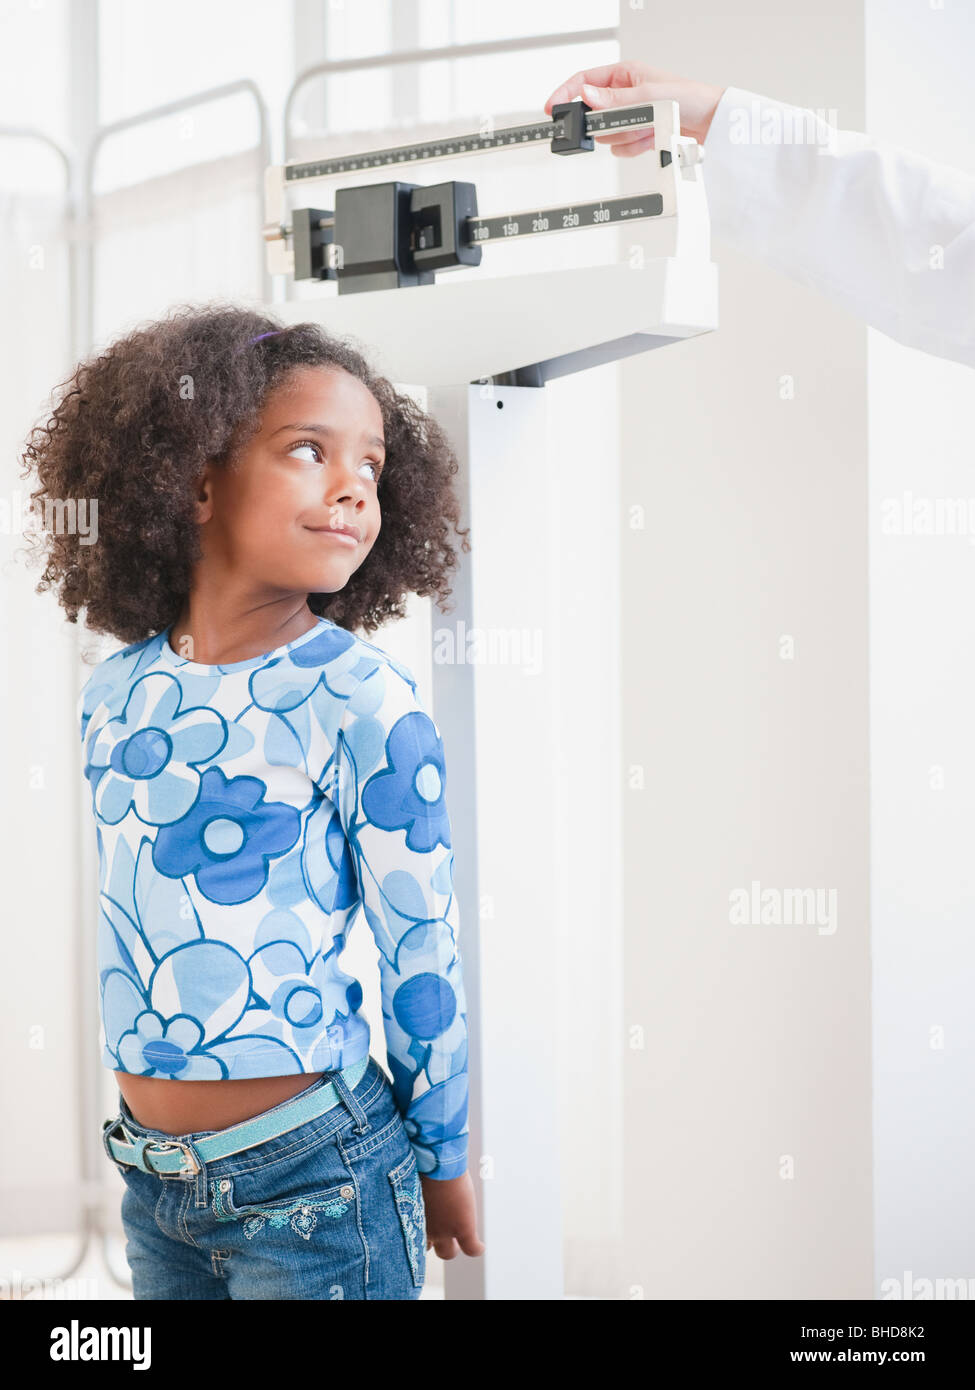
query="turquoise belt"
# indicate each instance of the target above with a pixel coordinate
(168, 1158)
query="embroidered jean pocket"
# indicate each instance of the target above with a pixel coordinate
(405, 1182)
(302, 1214)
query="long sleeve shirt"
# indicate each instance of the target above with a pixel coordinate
(882, 232)
(245, 813)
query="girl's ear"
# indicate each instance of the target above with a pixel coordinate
(204, 495)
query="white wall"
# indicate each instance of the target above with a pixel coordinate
(922, 673)
(746, 1051)
(40, 911)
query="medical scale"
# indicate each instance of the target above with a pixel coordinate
(526, 623)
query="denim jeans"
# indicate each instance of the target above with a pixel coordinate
(331, 1209)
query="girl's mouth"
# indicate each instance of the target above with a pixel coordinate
(330, 531)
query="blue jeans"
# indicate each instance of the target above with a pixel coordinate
(331, 1209)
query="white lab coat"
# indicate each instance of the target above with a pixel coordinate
(863, 223)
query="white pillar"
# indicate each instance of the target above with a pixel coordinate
(496, 708)
(922, 683)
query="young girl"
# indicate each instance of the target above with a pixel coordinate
(258, 773)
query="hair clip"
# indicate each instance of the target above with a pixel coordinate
(272, 333)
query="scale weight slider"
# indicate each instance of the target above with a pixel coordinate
(311, 233)
(387, 235)
(574, 137)
(440, 214)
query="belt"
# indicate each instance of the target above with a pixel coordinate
(168, 1158)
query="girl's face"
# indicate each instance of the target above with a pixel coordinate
(299, 512)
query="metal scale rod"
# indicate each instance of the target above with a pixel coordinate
(596, 123)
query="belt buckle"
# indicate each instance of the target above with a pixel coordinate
(172, 1144)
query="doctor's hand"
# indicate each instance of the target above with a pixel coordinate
(630, 84)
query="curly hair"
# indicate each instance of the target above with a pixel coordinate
(121, 432)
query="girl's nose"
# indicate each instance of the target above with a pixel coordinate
(342, 480)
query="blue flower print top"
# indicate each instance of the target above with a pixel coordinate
(244, 813)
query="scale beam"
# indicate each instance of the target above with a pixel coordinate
(558, 131)
(423, 230)
(381, 238)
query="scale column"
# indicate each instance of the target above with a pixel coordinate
(494, 691)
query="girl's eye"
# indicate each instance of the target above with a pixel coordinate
(305, 444)
(308, 444)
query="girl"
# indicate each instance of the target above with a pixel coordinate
(258, 773)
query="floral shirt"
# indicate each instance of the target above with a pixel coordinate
(244, 813)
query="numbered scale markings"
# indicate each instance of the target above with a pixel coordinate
(557, 219)
(596, 122)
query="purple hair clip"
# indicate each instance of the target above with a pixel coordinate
(272, 333)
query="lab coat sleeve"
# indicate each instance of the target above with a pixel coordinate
(882, 232)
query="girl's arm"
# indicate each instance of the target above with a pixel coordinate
(389, 791)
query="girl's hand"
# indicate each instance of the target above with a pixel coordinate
(451, 1216)
(630, 84)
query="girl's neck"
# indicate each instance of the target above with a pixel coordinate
(219, 634)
